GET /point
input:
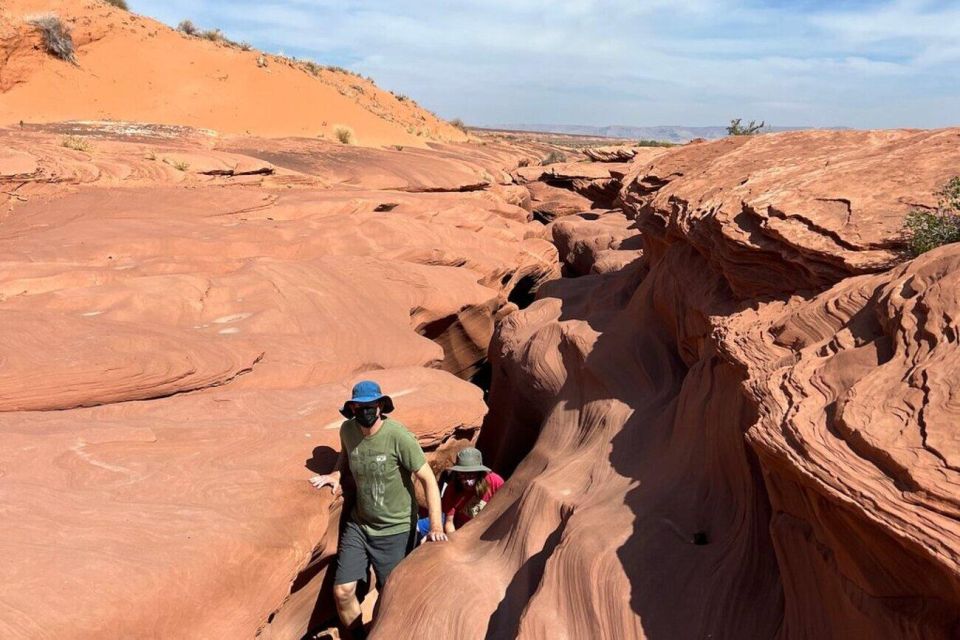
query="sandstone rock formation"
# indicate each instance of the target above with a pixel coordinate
(622, 153)
(749, 432)
(184, 314)
(733, 418)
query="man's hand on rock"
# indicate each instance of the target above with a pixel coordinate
(331, 480)
(437, 536)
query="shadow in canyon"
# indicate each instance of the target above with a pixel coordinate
(505, 621)
(699, 558)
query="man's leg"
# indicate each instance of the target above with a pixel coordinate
(352, 563)
(348, 606)
(386, 552)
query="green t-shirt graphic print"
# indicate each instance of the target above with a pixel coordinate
(381, 466)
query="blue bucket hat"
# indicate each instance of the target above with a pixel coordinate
(365, 392)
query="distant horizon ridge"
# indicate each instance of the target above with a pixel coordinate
(664, 133)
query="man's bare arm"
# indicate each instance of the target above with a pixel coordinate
(331, 479)
(432, 491)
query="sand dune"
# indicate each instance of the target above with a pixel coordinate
(133, 68)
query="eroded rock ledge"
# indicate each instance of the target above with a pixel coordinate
(748, 431)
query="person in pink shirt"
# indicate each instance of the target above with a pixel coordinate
(472, 487)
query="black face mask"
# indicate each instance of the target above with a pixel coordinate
(366, 417)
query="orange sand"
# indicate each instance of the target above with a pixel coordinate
(137, 69)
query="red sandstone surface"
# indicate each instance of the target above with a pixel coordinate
(733, 417)
(748, 431)
(178, 341)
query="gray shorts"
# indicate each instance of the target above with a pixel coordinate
(357, 551)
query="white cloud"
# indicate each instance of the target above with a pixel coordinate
(625, 62)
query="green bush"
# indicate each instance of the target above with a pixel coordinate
(737, 129)
(119, 4)
(56, 37)
(928, 230)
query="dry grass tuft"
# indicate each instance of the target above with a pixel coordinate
(56, 37)
(553, 158)
(76, 143)
(344, 134)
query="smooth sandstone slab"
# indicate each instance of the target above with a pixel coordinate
(212, 325)
(183, 517)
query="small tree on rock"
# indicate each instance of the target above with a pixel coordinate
(738, 129)
(928, 230)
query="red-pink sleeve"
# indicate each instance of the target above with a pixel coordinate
(494, 482)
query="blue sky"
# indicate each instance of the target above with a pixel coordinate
(855, 63)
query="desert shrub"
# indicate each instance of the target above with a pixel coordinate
(344, 134)
(738, 129)
(312, 67)
(76, 143)
(928, 230)
(56, 37)
(655, 143)
(400, 97)
(553, 158)
(458, 123)
(181, 165)
(213, 35)
(245, 46)
(119, 4)
(188, 28)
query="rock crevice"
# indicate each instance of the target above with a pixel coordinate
(751, 423)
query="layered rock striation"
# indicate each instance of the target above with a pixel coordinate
(746, 429)
(184, 314)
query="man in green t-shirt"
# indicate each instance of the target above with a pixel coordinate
(382, 456)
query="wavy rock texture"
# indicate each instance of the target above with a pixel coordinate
(182, 321)
(748, 432)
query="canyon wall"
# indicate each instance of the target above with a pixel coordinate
(737, 421)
